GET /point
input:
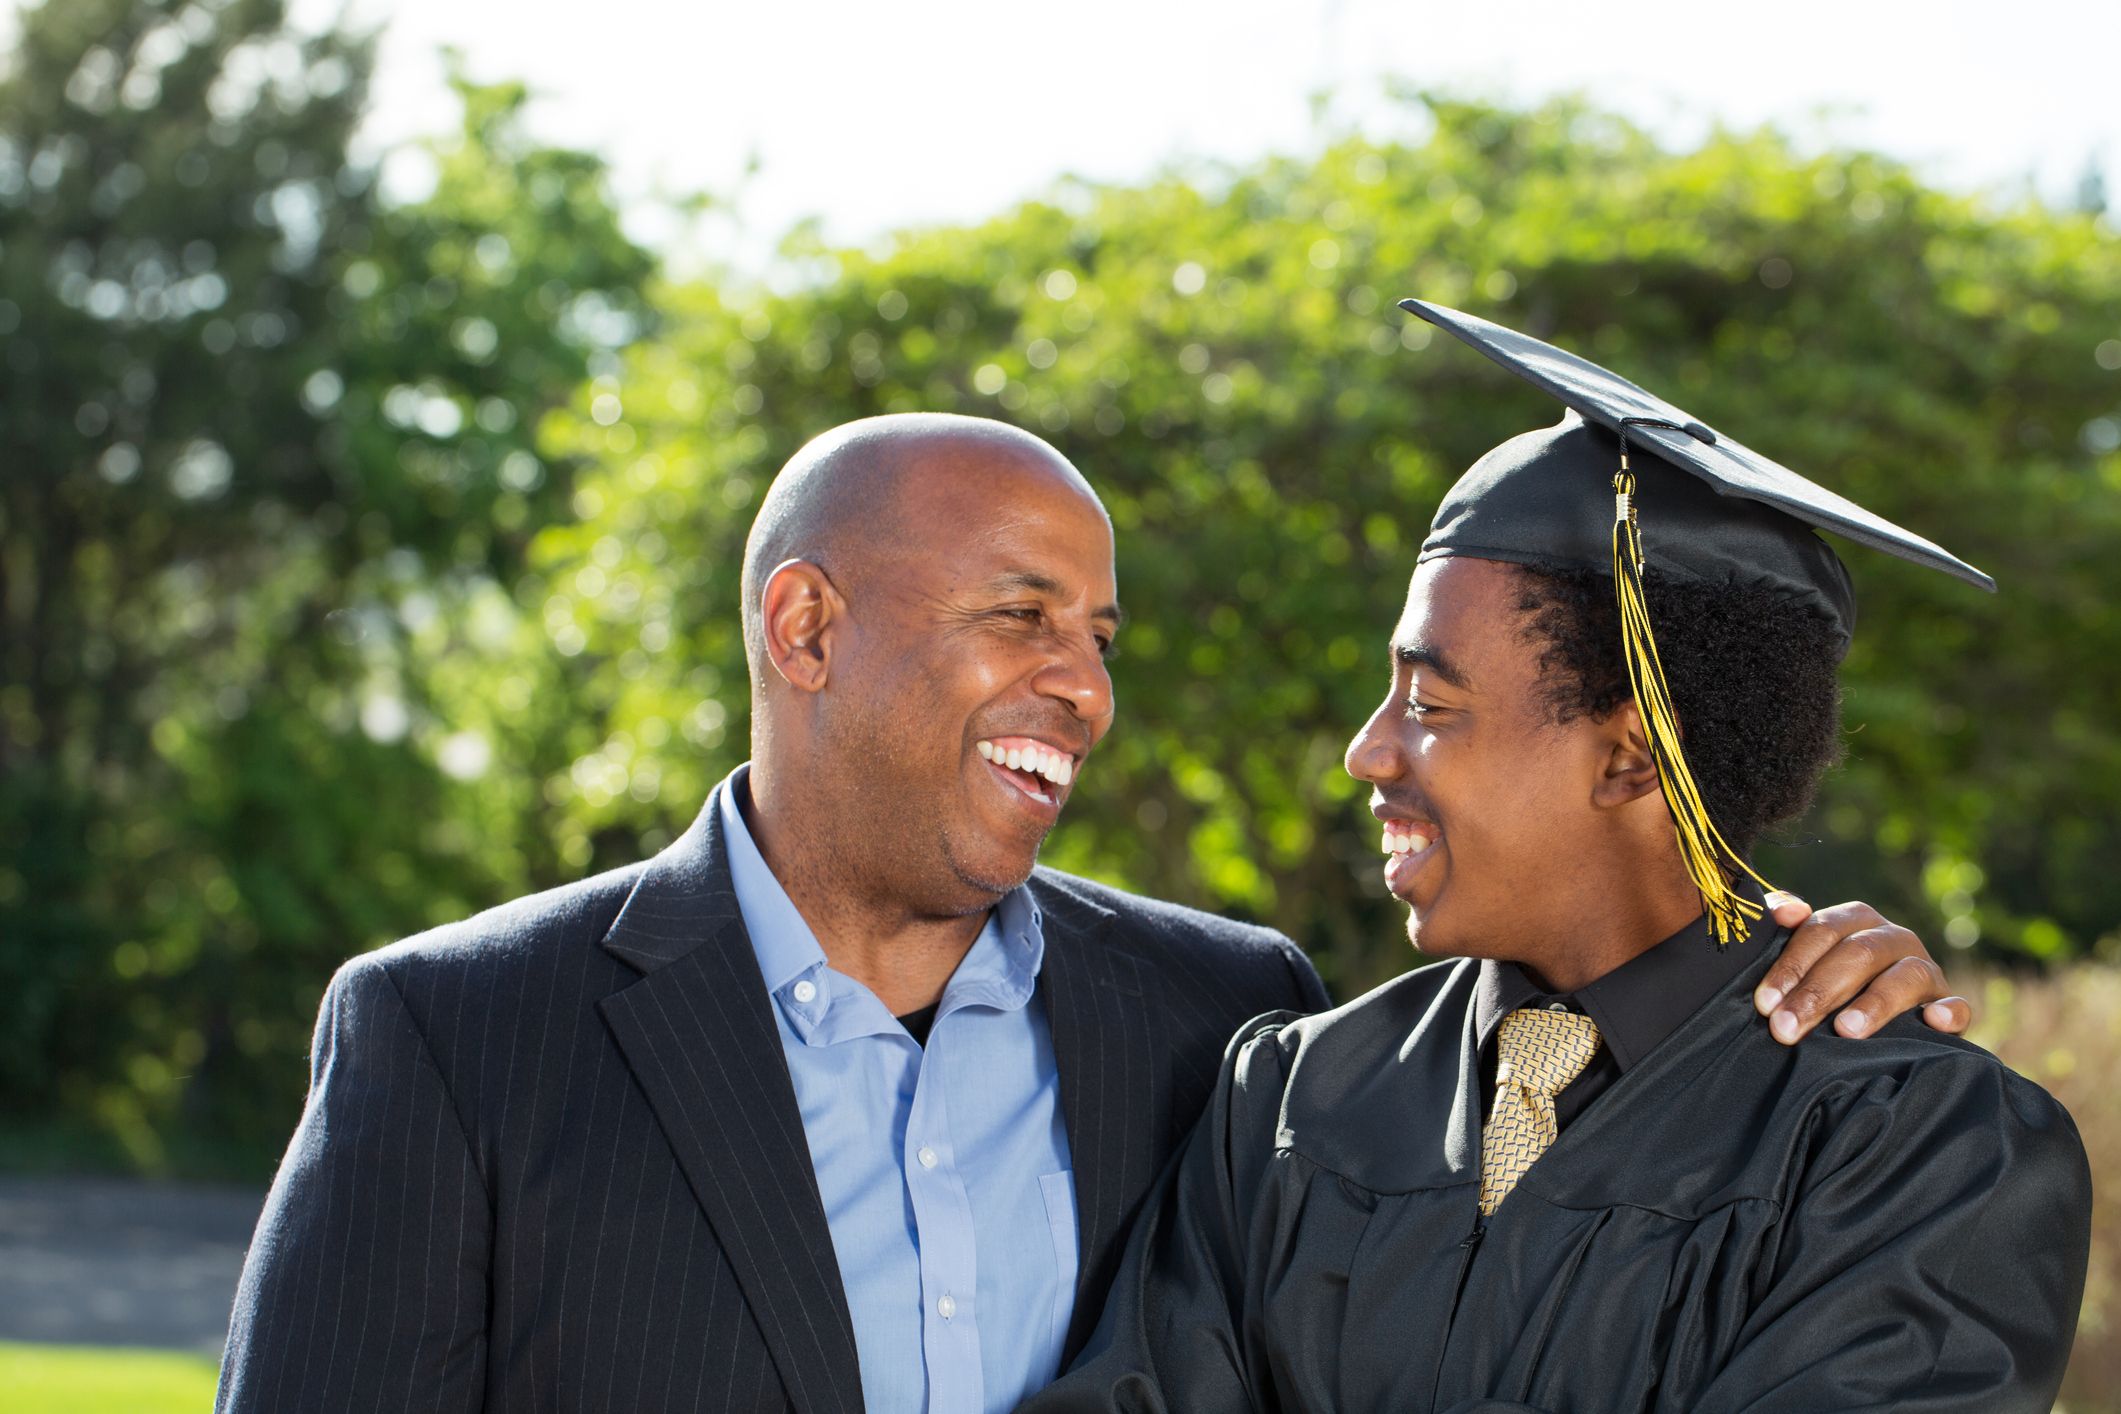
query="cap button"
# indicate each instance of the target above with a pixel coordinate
(1699, 433)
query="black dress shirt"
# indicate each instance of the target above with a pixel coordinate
(1636, 1005)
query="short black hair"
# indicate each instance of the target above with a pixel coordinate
(1753, 677)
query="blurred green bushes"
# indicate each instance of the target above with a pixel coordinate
(1221, 355)
(251, 417)
(391, 570)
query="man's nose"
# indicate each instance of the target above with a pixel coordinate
(1077, 676)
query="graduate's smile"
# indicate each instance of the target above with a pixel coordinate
(1409, 845)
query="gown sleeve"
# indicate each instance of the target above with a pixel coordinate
(1172, 1338)
(1932, 1258)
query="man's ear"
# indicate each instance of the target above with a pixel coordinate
(799, 609)
(1628, 769)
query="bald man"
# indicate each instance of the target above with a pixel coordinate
(838, 1102)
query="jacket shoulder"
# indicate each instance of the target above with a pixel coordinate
(1191, 939)
(510, 937)
(1140, 914)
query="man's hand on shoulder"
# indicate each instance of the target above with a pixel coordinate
(1853, 959)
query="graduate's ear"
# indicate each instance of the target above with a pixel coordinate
(1628, 769)
(801, 611)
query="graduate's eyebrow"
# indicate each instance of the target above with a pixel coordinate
(1430, 659)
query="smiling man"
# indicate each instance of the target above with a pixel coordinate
(837, 1102)
(1567, 1169)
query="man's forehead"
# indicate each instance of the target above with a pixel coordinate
(1032, 566)
(993, 478)
(1005, 508)
(1004, 550)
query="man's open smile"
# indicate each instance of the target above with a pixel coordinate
(1038, 771)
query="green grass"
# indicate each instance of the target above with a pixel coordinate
(73, 1379)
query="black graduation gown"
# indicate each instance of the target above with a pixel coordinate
(1895, 1223)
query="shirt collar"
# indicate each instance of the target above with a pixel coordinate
(1638, 1003)
(1000, 971)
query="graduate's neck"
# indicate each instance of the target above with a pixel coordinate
(1633, 911)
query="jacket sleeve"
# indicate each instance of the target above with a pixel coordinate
(1172, 1339)
(366, 1283)
(1307, 994)
(1933, 1256)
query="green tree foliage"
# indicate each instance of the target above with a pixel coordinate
(255, 423)
(1222, 357)
(415, 591)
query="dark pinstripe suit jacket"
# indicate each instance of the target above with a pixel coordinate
(552, 1160)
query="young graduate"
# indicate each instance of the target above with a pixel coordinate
(1569, 1170)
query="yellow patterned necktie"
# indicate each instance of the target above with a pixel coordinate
(1537, 1054)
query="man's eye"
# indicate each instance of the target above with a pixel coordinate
(1029, 616)
(1106, 650)
(1424, 710)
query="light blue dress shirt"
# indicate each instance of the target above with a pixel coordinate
(944, 1170)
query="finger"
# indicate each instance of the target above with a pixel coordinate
(1951, 1015)
(1812, 942)
(1786, 908)
(1837, 977)
(1909, 983)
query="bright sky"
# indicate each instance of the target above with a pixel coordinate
(885, 113)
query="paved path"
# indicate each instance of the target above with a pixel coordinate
(119, 1262)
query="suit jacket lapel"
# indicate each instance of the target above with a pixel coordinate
(1110, 1087)
(698, 1032)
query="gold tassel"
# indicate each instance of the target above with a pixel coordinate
(1710, 861)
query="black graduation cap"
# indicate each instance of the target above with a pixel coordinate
(1627, 478)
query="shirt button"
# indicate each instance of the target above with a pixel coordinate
(1557, 1006)
(946, 1306)
(927, 1157)
(806, 991)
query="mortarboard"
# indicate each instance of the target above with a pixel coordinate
(1698, 505)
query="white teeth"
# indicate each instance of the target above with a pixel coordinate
(1055, 766)
(1414, 843)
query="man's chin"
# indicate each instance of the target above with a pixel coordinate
(989, 873)
(992, 880)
